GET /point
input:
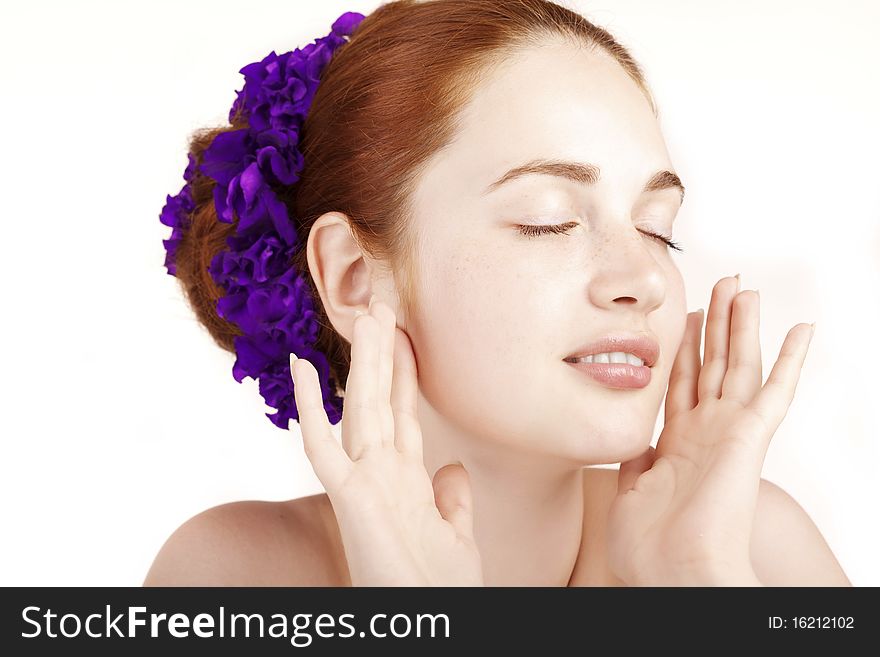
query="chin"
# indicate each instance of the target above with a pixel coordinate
(600, 446)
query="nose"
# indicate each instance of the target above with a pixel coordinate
(627, 270)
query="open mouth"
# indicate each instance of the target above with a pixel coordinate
(635, 349)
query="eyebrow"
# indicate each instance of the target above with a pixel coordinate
(585, 174)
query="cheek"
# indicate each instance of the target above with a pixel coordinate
(490, 310)
(473, 335)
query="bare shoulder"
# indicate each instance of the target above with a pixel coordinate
(254, 543)
(787, 549)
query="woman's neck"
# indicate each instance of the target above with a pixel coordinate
(528, 509)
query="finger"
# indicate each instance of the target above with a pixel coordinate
(682, 393)
(772, 401)
(743, 377)
(361, 429)
(632, 469)
(717, 338)
(405, 398)
(387, 321)
(329, 460)
(454, 500)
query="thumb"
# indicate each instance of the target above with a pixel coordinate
(632, 469)
(452, 495)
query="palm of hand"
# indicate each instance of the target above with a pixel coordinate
(685, 510)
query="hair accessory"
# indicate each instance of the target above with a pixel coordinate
(265, 296)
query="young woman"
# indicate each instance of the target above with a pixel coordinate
(484, 208)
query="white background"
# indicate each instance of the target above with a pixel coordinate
(120, 416)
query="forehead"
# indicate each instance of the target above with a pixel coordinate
(555, 101)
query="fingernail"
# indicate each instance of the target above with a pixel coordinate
(812, 329)
(738, 281)
(372, 299)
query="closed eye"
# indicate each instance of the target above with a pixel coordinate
(535, 230)
(562, 229)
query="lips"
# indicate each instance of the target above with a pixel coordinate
(641, 345)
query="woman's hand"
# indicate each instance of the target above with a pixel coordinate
(683, 513)
(397, 527)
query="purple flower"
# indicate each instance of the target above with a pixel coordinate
(276, 388)
(250, 199)
(265, 296)
(278, 158)
(171, 245)
(176, 213)
(178, 208)
(190, 170)
(227, 156)
(245, 265)
(346, 24)
(275, 96)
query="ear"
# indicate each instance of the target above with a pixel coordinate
(342, 273)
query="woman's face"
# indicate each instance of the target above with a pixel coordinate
(499, 311)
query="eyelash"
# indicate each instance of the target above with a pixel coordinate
(562, 229)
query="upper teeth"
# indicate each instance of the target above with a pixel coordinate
(611, 357)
